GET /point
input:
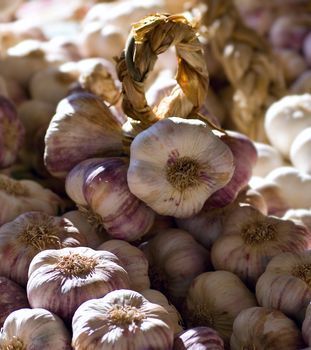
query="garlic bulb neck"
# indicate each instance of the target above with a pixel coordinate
(258, 233)
(40, 237)
(76, 265)
(125, 315)
(12, 187)
(183, 173)
(15, 343)
(303, 272)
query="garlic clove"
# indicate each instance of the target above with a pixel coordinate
(13, 297)
(19, 196)
(83, 127)
(29, 234)
(132, 259)
(198, 338)
(175, 259)
(176, 164)
(306, 326)
(122, 319)
(250, 239)
(286, 284)
(245, 157)
(34, 329)
(11, 133)
(156, 297)
(61, 280)
(214, 300)
(264, 329)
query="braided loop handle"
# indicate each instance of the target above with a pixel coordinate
(249, 65)
(150, 37)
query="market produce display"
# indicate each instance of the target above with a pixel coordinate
(155, 175)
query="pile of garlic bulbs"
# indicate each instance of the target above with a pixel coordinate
(132, 215)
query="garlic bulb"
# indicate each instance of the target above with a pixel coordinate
(286, 284)
(268, 159)
(250, 239)
(132, 259)
(29, 234)
(245, 156)
(156, 297)
(122, 319)
(295, 185)
(19, 196)
(11, 133)
(13, 297)
(214, 299)
(292, 63)
(175, 259)
(198, 338)
(299, 216)
(61, 280)
(300, 151)
(93, 234)
(285, 119)
(101, 185)
(34, 329)
(251, 197)
(306, 326)
(176, 164)
(264, 329)
(83, 127)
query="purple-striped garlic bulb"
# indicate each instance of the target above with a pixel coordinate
(132, 259)
(122, 319)
(101, 186)
(13, 297)
(245, 157)
(156, 297)
(250, 239)
(83, 127)
(34, 329)
(20, 196)
(177, 164)
(175, 259)
(198, 338)
(306, 326)
(11, 133)
(29, 234)
(263, 328)
(286, 284)
(61, 280)
(214, 300)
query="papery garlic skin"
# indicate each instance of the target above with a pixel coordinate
(13, 297)
(265, 329)
(299, 216)
(29, 234)
(198, 338)
(122, 320)
(286, 284)
(34, 329)
(156, 297)
(61, 280)
(19, 196)
(132, 259)
(268, 159)
(11, 133)
(176, 164)
(250, 239)
(214, 299)
(306, 326)
(175, 259)
(83, 127)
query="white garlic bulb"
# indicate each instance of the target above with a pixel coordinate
(263, 328)
(34, 329)
(300, 151)
(61, 280)
(176, 164)
(122, 319)
(29, 234)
